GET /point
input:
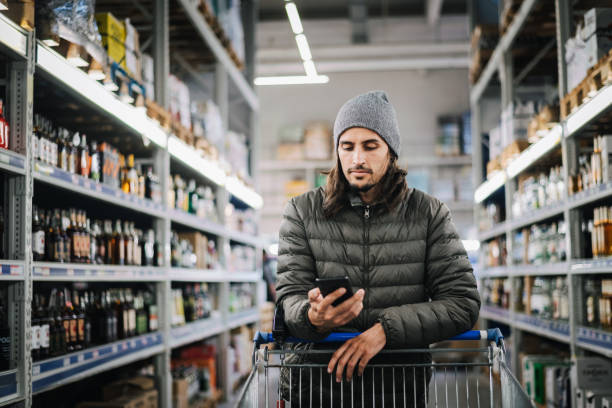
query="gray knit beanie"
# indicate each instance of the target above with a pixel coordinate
(371, 110)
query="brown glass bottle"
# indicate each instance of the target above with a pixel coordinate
(80, 321)
(128, 244)
(118, 244)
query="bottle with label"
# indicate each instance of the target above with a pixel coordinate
(192, 197)
(89, 314)
(128, 244)
(148, 244)
(65, 317)
(80, 321)
(4, 128)
(113, 318)
(65, 221)
(109, 243)
(141, 314)
(73, 234)
(132, 176)
(129, 299)
(35, 329)
(73, 155)
(95, 167)
(73, 327)
(175, 251)
(152, 186)
(136, 238)
(45, 321)
(36, 140)
(38, 236)
(58, 333)
(152, 313)
(592, 291)
(118, 244)
(123, 175)
(83, 158)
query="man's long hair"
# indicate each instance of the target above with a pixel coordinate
(391, 188)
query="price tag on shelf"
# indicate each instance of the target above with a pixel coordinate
(114, 348)
(81, 358)
(36, 370)
(95, 353)
(66, 362)
(70, 272)
(133, 344)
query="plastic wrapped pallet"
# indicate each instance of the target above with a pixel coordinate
(180, 101)
(318, 141)
(132, 51)
(238, 154)
(148, 75)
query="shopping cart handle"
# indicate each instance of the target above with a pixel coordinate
(490, 335)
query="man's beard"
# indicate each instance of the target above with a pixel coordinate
(362, 189)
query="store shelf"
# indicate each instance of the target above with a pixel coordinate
(504, 44)
(11, 270)
(55, 67)
(535, 152)
(551, 269)
(595, 340)
(12, 162)
(490, 186)
(493, 272)
(591, 266)
(186, 154)
(496, 313)
(497, 230)
(49, 271)
(73, 367)
(211, 40)
(195, 222)
(588, 112)
(244, 238)
(13, 37)
(244, 193)
(196, 331)
(81, 185)
(241, 318)
(591, 195)
(538, 215)
(559, 331)
(211, 275)
(8, 385)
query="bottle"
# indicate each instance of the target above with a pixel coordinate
(132, 176)
(192, 197)
(100, 257)
(5, 332)
(118, 244)
(73, 152)
(73, 234)
(38, 236)
(83, 158)
(158, 254)
(189, 304)
(65, 317)
(89, 246)
(129, 300)
(152, 312)
(80, 321)
(95, 168)
(592, 292)
(45, 321)
(175, 258)
(128, 244)
(35, 330)
(141, 314)
(171, 197)
(36, 140)
(136, 238)
(56, 253)
(65, 221)
(108, 242)
(73, 323)
(4, 129)
(89, 317)
(123, 178)
(148, 248)
(152, 186)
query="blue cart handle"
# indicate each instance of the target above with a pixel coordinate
(490, 335)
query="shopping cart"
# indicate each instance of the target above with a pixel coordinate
(284, 377)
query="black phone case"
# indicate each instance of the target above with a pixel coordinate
(329, 285)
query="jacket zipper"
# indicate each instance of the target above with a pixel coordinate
(366, 253)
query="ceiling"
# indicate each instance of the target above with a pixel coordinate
(270, 10)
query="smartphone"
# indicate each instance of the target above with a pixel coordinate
(328, 285)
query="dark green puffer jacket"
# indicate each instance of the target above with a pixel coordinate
(417, 278)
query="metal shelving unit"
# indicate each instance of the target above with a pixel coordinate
(563, 137)
(27, 55)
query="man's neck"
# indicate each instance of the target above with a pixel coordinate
(369, 196)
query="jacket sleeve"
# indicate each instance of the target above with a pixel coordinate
(449, 280)
(296, 275)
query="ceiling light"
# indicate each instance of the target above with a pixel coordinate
(292, 80)
(310, 69)
(303, 47)
(294, 18)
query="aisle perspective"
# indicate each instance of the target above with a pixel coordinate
(543, 208)
(115, 204)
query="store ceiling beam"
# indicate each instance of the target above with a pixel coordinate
(433, 9)
(146, 13)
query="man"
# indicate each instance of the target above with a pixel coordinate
(412, 281)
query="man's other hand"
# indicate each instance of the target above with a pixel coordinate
(326, 317)
(357, 352)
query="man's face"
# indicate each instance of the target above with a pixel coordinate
(364, 157)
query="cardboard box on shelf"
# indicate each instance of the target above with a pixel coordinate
(21, 12)
(127, 386)
(512, 151)
(290, 151)
(146, 399)
(533, 380)
(493, 166)
(113, 37)
(318, 141)
(295, 188)
(200, 247)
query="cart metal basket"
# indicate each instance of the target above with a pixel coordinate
(287, 377)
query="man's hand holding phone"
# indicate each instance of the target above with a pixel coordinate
(324, 316)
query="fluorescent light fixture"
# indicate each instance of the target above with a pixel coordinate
(310, 69)
(190, 157)
(489, 187)
(590, 110)
(535, 152)
(244, 193)
(294, 18)
(292, 80)
(98, 95)
(303, 47)
(50, 42)
(471, 245)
